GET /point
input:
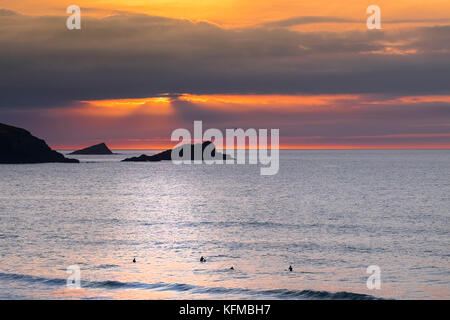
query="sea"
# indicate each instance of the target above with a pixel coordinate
(352, 224)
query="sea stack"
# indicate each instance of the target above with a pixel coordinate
(17, 145)
(167, 155)
(98, 149)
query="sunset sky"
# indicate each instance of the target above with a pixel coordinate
(139, 69)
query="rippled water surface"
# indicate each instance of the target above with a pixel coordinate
(329, 214)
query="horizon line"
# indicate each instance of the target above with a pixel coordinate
(445, 147)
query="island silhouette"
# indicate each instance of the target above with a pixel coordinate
(167, 154)
(98, 149)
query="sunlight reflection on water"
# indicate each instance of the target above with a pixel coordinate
(328, 213)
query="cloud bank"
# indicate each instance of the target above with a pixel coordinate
(45, 65)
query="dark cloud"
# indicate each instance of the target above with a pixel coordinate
(308, 20)
(436, 21)
(130, 56)
(296, 21)
(6, 13)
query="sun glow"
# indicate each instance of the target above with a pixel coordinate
(121, 107)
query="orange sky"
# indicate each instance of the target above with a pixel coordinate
(159, 113)
(244, 103)
(237, 13)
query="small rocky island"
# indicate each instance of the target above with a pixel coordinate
(167, 155)
(17, 145)
(98, 149)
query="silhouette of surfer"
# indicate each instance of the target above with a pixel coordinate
(202, 259)
(290, 268)
(134, 260)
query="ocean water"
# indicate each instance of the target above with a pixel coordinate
(329, 214)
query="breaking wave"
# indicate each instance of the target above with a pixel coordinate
(182, 287)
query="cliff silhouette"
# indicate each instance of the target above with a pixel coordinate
(17, 145)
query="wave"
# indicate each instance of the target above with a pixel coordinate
(182, 287)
